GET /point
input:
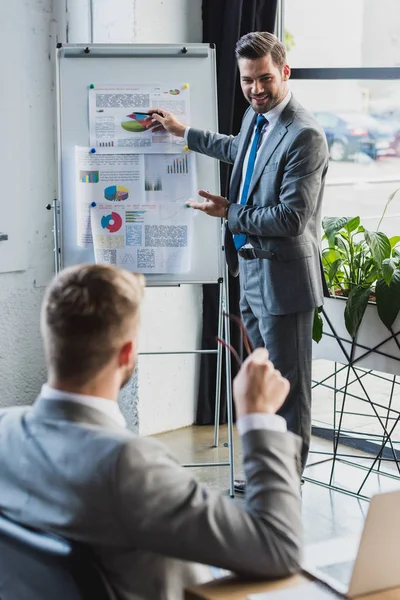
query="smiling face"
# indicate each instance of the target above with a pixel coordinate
(264, 85)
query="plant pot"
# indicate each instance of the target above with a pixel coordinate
(374, 348)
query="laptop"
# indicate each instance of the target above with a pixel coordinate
(374, 565)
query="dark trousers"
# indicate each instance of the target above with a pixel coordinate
(288, 340)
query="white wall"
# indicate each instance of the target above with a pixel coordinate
(27, 175)
(172, 316)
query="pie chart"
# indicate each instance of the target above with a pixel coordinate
(134, 123)
(116, 193)
(112, 222)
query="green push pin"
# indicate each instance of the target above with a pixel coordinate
(91, 86)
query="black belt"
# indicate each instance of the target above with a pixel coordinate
(252, 253)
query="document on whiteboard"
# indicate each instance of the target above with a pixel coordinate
(117, 113)
(111, 178)
(154, 238)
(170, 177)
(116, 179)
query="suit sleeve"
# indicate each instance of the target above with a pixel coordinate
(164, 509)
(217, 145)
(306, 163)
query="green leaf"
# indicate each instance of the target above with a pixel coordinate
(355, 308)
(394, 240)
(317, 326)
(388, 267)
(379, 246)
(341, 245)
(333, 270)
(330, 255)
(388, 299)
(361, 229)
(371, 276)
(332, 225)
(392, 195)
(352, 224)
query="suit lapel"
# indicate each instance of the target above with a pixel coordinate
(278, 133)
(247, 131)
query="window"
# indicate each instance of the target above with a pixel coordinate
(345, 59)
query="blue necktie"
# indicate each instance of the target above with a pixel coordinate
(239, 239)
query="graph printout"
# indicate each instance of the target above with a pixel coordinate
(110, 178)
(117, 113)
(153, 238)
(117, 179)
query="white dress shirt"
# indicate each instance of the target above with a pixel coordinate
(111, 410)
(107, 407)
(272, 117)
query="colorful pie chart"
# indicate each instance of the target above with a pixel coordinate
(134, 122)
(116, 193)
(112, 222)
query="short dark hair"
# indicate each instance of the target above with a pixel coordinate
(258, 44)
(86, 313)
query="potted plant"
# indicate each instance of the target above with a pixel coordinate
(360, 321)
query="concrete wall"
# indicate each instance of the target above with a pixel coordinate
(171, 317)
(27, 169)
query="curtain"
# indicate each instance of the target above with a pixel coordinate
(224, 22)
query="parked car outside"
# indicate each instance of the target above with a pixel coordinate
(392, 119)
(351, 133)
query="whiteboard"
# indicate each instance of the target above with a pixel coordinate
(80, 65)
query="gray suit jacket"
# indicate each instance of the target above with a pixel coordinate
(283, 213)
(71, 470)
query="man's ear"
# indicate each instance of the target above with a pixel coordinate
(125, 354)
(285, 72)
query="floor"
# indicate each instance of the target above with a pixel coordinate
(365, 420)
(327, 514)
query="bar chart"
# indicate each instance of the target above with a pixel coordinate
(153, 184)
(178, 166)
(89, 176)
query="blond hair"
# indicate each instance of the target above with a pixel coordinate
(86, 314)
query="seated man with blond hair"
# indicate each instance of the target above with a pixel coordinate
(69, 466)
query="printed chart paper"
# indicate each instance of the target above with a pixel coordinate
(117, 112)
(111, 178)
(116, 179)
(153, 238)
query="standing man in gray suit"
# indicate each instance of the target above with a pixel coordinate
(68, 465)
(273, 214)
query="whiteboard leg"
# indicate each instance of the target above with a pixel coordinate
(229, 407)
(219, 365)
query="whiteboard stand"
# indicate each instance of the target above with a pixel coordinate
(223, 333)
(78, 66)
(56, 234)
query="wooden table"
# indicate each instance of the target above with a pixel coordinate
(231, 588)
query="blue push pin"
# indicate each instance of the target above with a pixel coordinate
(92, 150)
(93, 204)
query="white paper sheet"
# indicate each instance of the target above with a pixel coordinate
(170, 177)
(116, 179)
(117, 112)
(305, 591)
(155, 238)
(110, 178)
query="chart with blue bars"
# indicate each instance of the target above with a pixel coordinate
(89, 176)
(178, 165)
